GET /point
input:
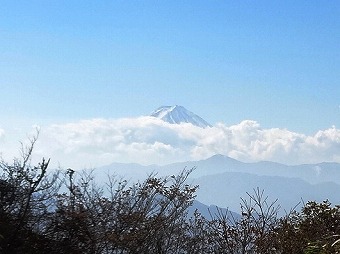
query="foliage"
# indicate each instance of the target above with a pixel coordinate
(147, 217)
(316, 229)
(27, 194)
(253, 232)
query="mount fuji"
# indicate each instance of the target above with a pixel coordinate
(178, 114)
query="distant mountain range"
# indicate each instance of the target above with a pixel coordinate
(311, 173)
(224, 180)
(178, 114)
(227, 188)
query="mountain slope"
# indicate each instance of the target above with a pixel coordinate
(311, 173)
(225, 190)
(224, 180)
(178, 114)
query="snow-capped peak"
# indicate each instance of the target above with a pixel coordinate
(178, 114)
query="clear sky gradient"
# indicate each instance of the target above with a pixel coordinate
(276, 62)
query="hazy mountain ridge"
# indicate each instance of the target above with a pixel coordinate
(312, 173)
(224, 180)
(209, 211)
(225, 189)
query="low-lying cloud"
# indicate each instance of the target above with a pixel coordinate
(148, 140)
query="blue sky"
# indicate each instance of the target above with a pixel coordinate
(275, 62)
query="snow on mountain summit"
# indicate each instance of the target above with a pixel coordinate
(178, 114)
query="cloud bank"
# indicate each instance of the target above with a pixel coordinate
(148, 140)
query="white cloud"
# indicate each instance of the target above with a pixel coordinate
(149, 140)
